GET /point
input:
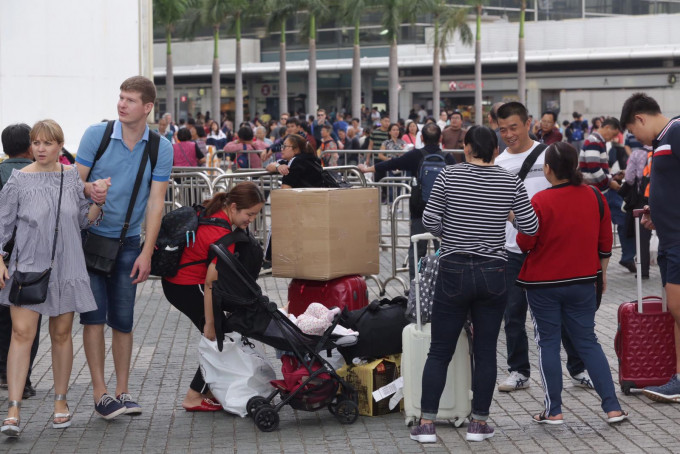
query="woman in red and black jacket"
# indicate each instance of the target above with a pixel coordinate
(190, 290)
(559, 276)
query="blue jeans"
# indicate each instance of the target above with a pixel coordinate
(466, 284)
(115, 293)
(614, 200)
(571, 306)
(515, 318)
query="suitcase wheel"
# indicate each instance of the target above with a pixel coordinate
(410, 420)
(458, 422)
(266, 418)
(254, 403)
(346, 411)
(626, 386)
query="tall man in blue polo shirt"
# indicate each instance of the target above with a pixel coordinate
(641, 115)
(115, 293)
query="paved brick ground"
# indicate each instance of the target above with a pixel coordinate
(164, 361)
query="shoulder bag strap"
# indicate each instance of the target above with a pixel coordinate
(530, 161)
(103, 145)
(135, 191)
(600, 204)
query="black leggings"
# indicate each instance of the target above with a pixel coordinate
(188, 299)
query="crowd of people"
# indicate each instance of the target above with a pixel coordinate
(520, 232)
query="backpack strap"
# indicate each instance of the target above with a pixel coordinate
(103, 145)
(236, 236)
(154, 140)
(530, 161)
(600, 204)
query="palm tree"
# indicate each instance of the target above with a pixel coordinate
(447, 21)
(479, 108)
(317, 10)
(167, 13)
(394, 12)
(352, 12)
(216, 14)
(278, 13)
(521, 58)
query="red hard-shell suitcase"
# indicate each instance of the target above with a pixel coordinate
(346, 291)
(644, 342)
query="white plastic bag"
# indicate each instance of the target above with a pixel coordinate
(653, 248)
(235, 374)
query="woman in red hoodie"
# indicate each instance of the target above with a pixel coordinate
(572, 246)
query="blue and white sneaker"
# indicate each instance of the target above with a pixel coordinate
(131, 407)
(582, 380)
(668, 393)
(108, 407)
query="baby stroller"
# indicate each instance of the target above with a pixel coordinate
(310, 382)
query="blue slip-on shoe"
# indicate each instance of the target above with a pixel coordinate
(108, 407)
(131, 407)
(668, 393)
(424, 433)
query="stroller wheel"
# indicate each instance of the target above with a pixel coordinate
(254, 403)
(346, 411)
(266, 418)
(332, 406)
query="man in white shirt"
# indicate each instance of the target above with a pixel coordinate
(514, 124)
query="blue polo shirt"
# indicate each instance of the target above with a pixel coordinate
(122, 164)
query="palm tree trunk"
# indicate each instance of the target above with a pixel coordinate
(283, 77)
(393, 81)
(239, 75)
(216, 89)
(436, 73)
(311, 99)
(169, 78)
(478, 70)
(521, 59)
(356, 75)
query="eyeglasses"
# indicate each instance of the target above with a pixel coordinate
(287, 146)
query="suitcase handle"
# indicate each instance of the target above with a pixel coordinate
(638, 257)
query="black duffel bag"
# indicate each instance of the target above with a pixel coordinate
(379, 325)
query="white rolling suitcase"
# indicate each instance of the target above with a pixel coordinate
(456, 400)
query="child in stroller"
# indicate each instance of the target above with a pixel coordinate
(310, 382)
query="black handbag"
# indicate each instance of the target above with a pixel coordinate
(31, 287)
(101, 252)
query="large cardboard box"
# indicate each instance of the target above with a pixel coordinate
(370, 377)
(321, 234)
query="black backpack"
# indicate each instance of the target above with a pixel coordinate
(428, 170)
(178, 230)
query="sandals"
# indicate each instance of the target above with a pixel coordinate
(10, 425)
(614, 419)
(542, 418)
(68, 416)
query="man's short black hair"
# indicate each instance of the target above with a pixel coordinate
(16, 139)
(245, 133)
(456, 112)
(612, 122)
(509, 109)
(200, 131)
(431, 134)
(638, 103)
(550, 112)
(576, 115)
(326, 126)
(385, 115)
(293, 121)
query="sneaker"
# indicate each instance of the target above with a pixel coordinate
(669, 393)
(108, 407)
(131, 407)
(582, 380)
(514, 382)
(29, 391)
(478, 431)
(424, 433)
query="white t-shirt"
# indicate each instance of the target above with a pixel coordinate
(534, 182)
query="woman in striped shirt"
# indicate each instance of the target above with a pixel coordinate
(468, 208)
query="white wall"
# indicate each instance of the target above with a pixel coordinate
(65, 60)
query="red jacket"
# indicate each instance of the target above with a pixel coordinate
(571, 238)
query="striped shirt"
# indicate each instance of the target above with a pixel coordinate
(594, 162)
(469, 206)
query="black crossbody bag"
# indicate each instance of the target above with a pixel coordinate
(31, 287)
(100, 251)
